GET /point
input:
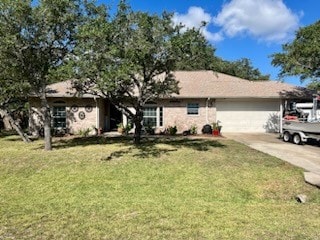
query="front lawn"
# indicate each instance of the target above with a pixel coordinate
(102, 188)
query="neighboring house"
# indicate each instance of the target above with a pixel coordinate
(205, 97)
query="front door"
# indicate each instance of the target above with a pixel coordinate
(115, 117)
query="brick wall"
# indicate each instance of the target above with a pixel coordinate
(74, 122)
(175, 113)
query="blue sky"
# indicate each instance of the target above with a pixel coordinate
(252, 29)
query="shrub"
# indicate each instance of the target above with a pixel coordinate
(124, 129)
(216, 126)
(172, 130)
(127, 128)
(149, 129)
(84, 132)
(193, 129)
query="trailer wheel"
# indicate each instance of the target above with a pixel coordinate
(287, 137)
(297, 139)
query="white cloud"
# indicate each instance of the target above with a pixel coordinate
(195, 18)
(214, 37)
(266, 20)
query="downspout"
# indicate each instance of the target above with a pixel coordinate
(207, 109)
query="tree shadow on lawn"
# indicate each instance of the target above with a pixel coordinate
(147, 148)
(10, 135)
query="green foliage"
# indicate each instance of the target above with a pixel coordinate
(240, 68)
(171, 130)
(35, 39)
(216, 126)
(121, 128)
(127, 128)
(84, 132)
(314, 85)
(124, 129)
(129, 58)
(149, 129)
(193, 51)
(301, 56)
(13, 86)
(193, 129)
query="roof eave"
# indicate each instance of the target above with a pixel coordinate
(223, 97)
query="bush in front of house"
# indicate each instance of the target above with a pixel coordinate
(172, 130)
(150, 130)
(216, 128)
(124, 129)
(193, 129)
(84, 132)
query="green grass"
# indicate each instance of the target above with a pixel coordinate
(102, 188)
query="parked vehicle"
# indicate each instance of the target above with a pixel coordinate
(302, 122)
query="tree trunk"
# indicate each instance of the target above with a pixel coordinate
(138, 126)
(46, 122)
(15, 125)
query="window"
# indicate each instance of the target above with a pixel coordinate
(193, 108)
(59, 116)
(153, 116)
(150, 116)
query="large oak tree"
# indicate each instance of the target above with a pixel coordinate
(13, 86)
(129, 58)
(301, 56)
(35, 39)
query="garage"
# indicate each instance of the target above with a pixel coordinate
(253, 115)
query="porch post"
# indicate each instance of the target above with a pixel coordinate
(97, 114)
(124, 120)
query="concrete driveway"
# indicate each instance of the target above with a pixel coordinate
(304, 156)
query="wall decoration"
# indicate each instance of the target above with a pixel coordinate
(88, 108)
(82, 115)
(74, 108)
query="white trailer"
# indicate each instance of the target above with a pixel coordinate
(301, 130)
(298, 137)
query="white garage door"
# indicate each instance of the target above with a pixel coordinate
(248, 116)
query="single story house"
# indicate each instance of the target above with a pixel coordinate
(205, 97)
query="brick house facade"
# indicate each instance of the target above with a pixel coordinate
(205, 97)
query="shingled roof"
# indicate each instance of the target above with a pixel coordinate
(205, 84)
(64, 89)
